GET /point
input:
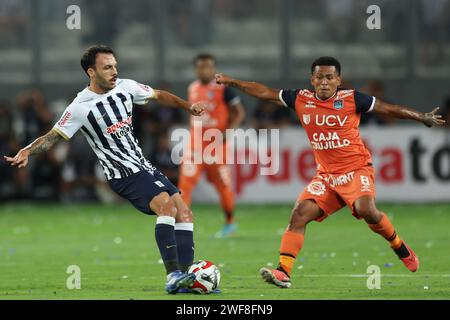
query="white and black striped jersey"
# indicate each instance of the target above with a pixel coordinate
(106, 122)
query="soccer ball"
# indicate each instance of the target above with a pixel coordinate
(207, 276)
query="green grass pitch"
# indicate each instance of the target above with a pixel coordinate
(114, 247)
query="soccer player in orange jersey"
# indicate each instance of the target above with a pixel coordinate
(224, 111)
(345, 175)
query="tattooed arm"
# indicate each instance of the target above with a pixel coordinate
(39, 145)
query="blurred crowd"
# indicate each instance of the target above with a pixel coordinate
(70, 171)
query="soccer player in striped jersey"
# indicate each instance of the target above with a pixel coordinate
(345, 174)
(103, 113)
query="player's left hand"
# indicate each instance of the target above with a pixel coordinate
(20, 160)
(431, 119)
(197, 109)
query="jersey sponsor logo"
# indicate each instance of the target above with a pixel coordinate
(316, 188)
(340, 180)
(330, 120)
(119, 125)
(306, 118)
(210, 95)
(64, 118)
(338, 104)
(310, 104)
(327, 141)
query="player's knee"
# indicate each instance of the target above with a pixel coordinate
(368, 211)
(300, 215)
(185, 215)
(163, 205)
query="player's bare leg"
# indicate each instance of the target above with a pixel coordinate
(380, 223)
(165, 208)
(220, 177)
(188, 180)
(304, 212)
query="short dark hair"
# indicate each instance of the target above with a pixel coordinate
(326, 61)
(203, 56)
(88, 58)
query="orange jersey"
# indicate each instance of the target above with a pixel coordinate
(217, 98)
(332, 127)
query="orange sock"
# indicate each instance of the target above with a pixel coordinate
(387, 231)
(291, 243)
(227, 203)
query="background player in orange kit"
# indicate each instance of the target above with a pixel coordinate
(224, 111)
(345, 175)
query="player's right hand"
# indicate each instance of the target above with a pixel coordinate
(431, 119)
(20, 159)
(222, 79)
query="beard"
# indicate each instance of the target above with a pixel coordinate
(105, 84)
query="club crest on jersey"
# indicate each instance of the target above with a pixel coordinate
(338, 104)
(210, 94)
(316, 188)
(306, 118)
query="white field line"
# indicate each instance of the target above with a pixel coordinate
(381, 274)
(392, 275)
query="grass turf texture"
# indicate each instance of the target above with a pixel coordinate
(115, 248)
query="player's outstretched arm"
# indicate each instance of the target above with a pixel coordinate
(430, 119)
(169, 99)
(39, 145)
(255, 89)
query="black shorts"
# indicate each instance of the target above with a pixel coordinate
(141, 187)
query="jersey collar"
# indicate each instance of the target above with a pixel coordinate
(317, 97)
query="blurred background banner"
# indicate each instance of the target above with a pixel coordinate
(406, 61)
(411, 165)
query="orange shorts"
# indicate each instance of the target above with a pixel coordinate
(332, 192)
(218, 174)
(217, 171)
